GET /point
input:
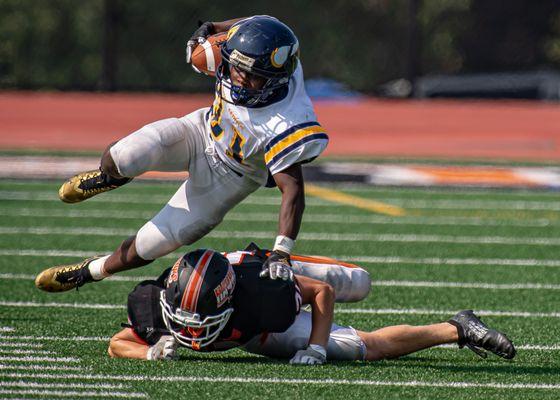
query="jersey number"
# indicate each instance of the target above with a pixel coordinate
(235, 150)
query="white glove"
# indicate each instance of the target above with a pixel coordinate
(313, 355)
(164, 349)
(277, 270)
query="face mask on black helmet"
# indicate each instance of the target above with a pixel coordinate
(261, 46)
(196, 305)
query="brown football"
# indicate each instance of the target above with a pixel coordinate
(206, 57)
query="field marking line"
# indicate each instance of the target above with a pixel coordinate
(40, 367)
(517, 262)
(391, 311)
(59, 393)
(65, 305)
(539, 347)
(291, 381)
(463, 285)
(338, 197)
(7, 329)
(309, 217)
(43, 359)
(26, 351)
(420, 311)
(390, 283)
(100, 385)
(57, 338)
(394, 203)
(307, 236)
(27, 345)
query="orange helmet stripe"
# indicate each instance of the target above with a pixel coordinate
(190, 296)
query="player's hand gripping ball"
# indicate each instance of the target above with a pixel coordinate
(206, 56)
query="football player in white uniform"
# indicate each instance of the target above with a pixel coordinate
(213, 302)
(259, 131)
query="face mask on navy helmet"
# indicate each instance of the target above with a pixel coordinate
(261, 46)
(196, 305)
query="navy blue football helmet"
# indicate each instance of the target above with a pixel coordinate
(262, 46)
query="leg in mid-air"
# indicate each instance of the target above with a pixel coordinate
(87, 184)
(195, 209)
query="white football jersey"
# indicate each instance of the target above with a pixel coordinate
(254, 141)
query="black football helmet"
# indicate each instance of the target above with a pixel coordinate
(196, 304)
(263, 46)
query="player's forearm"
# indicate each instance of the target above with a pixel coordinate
(291, 212)
(321, 297)
(224, 26)
(322, 311)
(127, 349)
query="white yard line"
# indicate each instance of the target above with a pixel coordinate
(65, 305)
(25, 351)
(40, 367)
(7, 329)
(27, 345)
(391, 283)
(309, 217)
(525, 262)
(521, 262)
(396, 311)
(42, 359)
(459, 204)
(245, 380)
(467, 285)
(57, 338)
(106, 339)
(419, 311)
(307, 236)
(99, 385)
(72, 394)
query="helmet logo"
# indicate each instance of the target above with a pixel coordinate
(224, 290)
(232, 31)
(279, 56)
(237, 58)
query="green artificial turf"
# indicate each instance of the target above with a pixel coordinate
(442, 228)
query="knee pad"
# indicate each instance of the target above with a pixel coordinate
(153, 242)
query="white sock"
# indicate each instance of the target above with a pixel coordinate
(97, 269)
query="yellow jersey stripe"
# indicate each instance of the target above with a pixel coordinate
(291, 139)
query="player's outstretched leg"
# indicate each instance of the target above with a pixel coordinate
(474, 334)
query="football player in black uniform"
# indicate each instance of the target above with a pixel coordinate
(207, 302)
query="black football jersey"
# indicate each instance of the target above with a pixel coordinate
(260, 305)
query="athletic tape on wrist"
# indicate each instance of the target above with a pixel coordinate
(319, 349)
(284, 243)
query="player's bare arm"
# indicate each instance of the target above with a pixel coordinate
(321, 297)
(126, 344)
(290, 183)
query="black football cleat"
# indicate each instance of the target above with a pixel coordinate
(474, 334)
(65, 277)
(87, 184)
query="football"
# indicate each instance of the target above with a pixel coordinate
(206, 57)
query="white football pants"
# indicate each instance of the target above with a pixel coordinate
(201, 202)
(344, 343)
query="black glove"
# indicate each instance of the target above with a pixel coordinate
(204, 30)
(277, 265)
